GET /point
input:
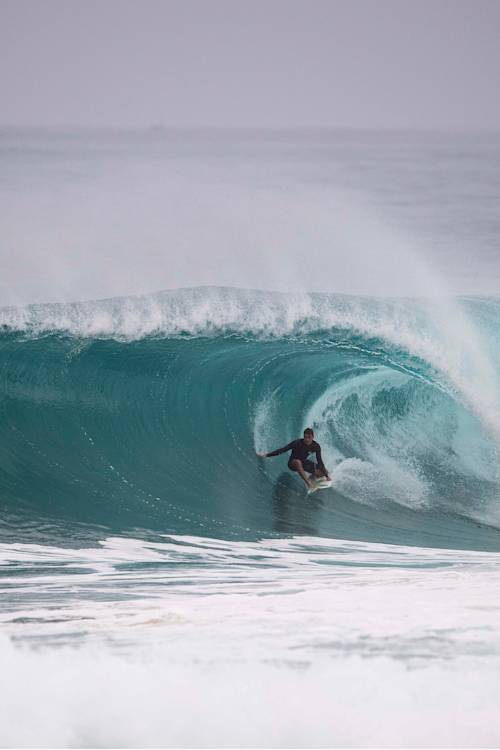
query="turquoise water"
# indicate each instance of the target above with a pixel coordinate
(160, 430)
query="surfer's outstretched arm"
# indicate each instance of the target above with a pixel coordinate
(277, 452)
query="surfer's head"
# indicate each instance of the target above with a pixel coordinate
(308, 436)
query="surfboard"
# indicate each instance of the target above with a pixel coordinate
(319, 484)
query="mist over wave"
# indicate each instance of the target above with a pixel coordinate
(88, 214)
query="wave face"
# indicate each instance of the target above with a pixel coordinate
(145, 413)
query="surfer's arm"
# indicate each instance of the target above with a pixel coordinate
(321, 465)
(277, 452)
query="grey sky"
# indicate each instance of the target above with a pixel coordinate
(336, 63)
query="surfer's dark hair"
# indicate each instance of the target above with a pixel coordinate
(309, 431)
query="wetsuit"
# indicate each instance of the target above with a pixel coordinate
(301, 451)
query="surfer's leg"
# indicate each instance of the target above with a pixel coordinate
(295, 464)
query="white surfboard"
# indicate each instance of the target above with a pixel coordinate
(319, 484)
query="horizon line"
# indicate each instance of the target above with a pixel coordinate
(162, 128)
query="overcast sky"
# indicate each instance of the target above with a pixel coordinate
(331, 63)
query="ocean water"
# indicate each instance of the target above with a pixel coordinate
(174, 303)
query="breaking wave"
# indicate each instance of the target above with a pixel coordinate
(146, 413)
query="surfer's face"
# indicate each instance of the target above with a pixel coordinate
(308, 438)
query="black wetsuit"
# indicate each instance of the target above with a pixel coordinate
(301, 451)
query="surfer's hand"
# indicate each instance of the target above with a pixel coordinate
(262, 455)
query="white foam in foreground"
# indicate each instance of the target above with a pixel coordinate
(285, 642)
(91, 697)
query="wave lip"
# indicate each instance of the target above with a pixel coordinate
(214, 310)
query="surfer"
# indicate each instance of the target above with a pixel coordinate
(299, 460)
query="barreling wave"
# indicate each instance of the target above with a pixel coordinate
(145, 413)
